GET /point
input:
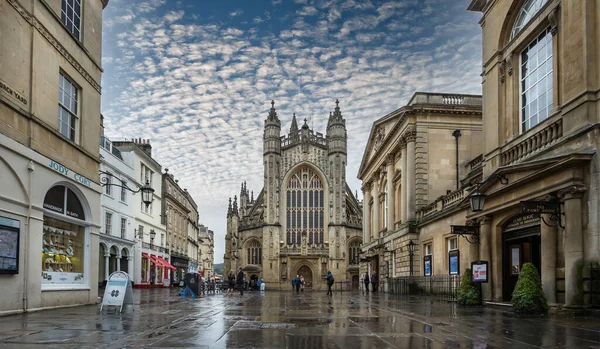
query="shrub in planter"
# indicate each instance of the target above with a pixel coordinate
(468, 292)
(528, 296)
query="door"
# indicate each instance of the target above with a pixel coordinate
(305, 272)
(355, 282)
(516, 253)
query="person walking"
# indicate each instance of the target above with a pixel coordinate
(302, 283)
(330, 281)
(297, 283)
(366, 282)
(231, 282)
(240, 281)
(374, 281)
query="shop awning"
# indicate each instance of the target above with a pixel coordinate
(165, 263)
(152, 259)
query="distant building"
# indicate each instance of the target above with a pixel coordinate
(206, 255)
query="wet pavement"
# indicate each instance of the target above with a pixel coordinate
(162, 319)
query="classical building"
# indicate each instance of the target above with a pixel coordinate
(414, 158)
(151, 256)
(175, 209)
(117, 237)
(206, 252)
(305, 220)
(541, 66)
(51, 54)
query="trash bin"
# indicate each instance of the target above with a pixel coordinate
(192, 280)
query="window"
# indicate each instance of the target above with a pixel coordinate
(385, 207)
(536, 81)
(108, 187)
(70, 15)
(67, 107)
(427, 260)
(146, 209)
(453, 256)
(123, 227)
(452, 244)
(146, 175)
(254, 253)
(124, 192)
(353, 252)
(305, 209)
(428, 250)
(528, 11)
(108, 223)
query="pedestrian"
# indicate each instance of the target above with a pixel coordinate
(240, 281)
(366, 282)
(374, 281)
(302, 283)
(231, 281)
(330, 281)
(297, 283)
(152, 277)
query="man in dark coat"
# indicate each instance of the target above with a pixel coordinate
(374, 281)
(366, 282)
(240, 281)
(330, 282)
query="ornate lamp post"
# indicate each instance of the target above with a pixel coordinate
(147, 191)
(152, 236)
(411, 253)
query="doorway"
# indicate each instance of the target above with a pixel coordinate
(355, 282)
(521, 244)
(307, 274)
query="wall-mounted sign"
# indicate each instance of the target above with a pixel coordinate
(454, 262)
(427, 267)
(540, 207)
(522, 221)
(464, 229)
(479, 270)
(12, 93)
(69, 173)
(9, 246)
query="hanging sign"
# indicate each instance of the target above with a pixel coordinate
(118, 291)
(479, 270)
(464, 229)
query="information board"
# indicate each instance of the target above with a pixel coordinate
(479, 270)
(9, 245)
(454, 262)
(118, 291)
(427, 265)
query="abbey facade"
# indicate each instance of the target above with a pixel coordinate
(305, 221)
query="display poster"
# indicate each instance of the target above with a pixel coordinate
(453, 262)
(479, 271)
(427, 265)
(9, 250)
(118, 291)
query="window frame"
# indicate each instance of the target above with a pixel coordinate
(71, 113)
(108, 223)
(123, 227)
(123, 197)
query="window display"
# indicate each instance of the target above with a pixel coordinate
(62, 252)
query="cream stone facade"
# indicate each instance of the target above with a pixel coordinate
(541, 115)
(415, 158)
(206, 251)
(305, 221)
(193, 242)
(50, 198)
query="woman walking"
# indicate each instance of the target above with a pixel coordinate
(231, 282)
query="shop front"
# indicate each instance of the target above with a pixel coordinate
(155, 271)
(181, 267)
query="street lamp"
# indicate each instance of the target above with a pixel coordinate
(152, 236)
(477, 199)
(411, 252)
(147, 191)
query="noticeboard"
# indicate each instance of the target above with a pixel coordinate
(9, 245)
(479, 271)
(454, 262)
(118, 291)
(427, 265)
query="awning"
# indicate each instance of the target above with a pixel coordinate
(152, 259)
(165, 263)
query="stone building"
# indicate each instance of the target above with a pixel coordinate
(305, 220)
(49, 156)
(541, 83)
(415, 156)
(175, 209)
(193, 236)
(206, 252)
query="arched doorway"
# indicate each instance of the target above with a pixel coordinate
(307, 274)
(102, 263)
(124, 262)
(521, 243)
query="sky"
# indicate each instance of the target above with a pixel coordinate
(197, 78)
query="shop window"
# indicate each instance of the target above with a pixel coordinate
(63, 240)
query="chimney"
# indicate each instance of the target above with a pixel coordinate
(145, 145)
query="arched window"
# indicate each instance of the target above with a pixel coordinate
(254, 253)
(529, 9)
(305, 207)
(353, 250)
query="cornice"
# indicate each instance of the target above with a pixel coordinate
(54, 42)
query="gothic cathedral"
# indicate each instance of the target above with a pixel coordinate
(306, 220)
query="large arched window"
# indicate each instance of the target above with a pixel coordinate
(529, 9)
(305, 207)
(254, 253)
(353, 251)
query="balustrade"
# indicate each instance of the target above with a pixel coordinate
(536, 142)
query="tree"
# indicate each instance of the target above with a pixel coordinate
(528, 296)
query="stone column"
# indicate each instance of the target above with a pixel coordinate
(376, 210)
(410, 175)
(130, 267)
(573, 245)
(366, 214)
(106, 266)
(390, 193)
(118, 262)
(549, 259)
(403, 195)
(485, 253)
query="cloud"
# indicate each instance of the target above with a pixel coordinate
(199, 83)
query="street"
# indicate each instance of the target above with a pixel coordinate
(162, 319)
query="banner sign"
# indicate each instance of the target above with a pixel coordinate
(118, 291)
(454, 262)
(427, 265)
(479, 270)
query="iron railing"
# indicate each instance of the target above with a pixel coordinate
(154, 247)
(441, 287)
(594, 286)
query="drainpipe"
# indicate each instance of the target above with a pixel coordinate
(457, 134)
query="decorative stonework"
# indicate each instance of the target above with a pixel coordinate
(379, 138)
(54, 42)
(553, 20)
(572, 192)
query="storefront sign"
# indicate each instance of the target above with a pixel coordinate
(454, 262)
(12, 93)
(118, 291)
(540, 207)
(479, 270)
(464, 229)
(62, 278)
(522, 221)
(60, 197)
(9, 246)
(69, 173)
(427, 265)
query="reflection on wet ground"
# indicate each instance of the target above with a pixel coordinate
(162, 319)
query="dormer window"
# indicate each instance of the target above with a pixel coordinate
(528, 11)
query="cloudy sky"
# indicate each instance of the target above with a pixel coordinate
(197, 77)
